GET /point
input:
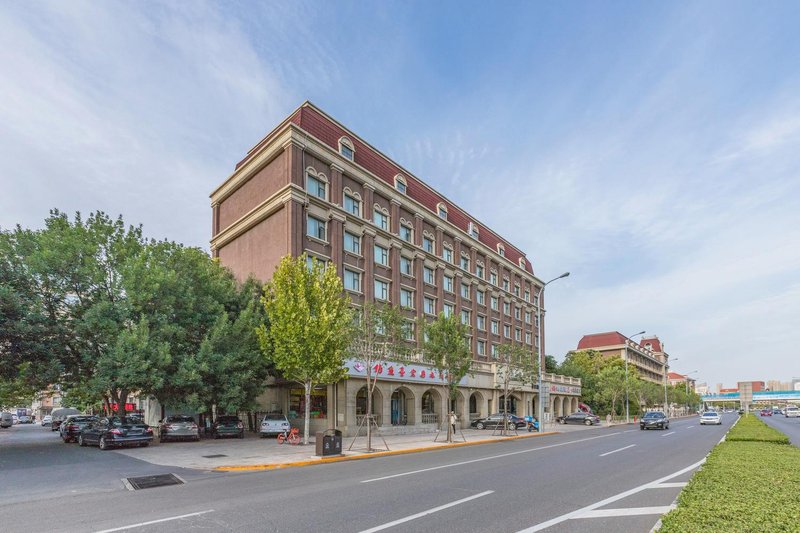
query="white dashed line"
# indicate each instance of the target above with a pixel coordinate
(615, 451)
(677, 484)
(425, 513)
(140, 524)
(668, 434)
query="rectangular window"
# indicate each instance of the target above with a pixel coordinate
(465, 290)
(381, 255)
(536, 321)
(381, 290)
(517, 313)
(408, 331)
(447, 254)
(406, 266)
(448, 283)
(536, 341)
(494, 351)
(495, 303)
(352, 280)
(442, 212)
(315, 187)
(473, 230)
(479, 271)
(481, 347)
(527, 317)
(518, 335)
(427, 244)
(536, 300)
(465, 262)
(516, 291)
(481, 322)
(429, 276)
(381, 219)
(406, 233)
(495, 327)
(506, 285)
(346, 151)
(507, 331)
(352, 205)
(352, 243)
(527, 295)
(465, 317)
(480, 296)
(527, 337)
(407, 298)
(493, 278)
(316, 228)
(430, 306)
(310, 259)
(400, 186)
(507, 308)
(449, 309)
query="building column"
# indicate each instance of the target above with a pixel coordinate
(394, 261)
(294, 166)
(336, 241)
(439, 243)
(368, 202)
(439, 278)
(419, 294)
(418, 227)
(296, 224)
(394, 216)
(368, 251)
(335, 185)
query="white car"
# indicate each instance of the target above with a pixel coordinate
(791, 412)
(274, 424)
(47, 420)
(710, 417)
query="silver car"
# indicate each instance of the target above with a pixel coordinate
(710, 417)
(176, 427)
(274, 425)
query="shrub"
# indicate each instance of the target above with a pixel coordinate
(751, 428)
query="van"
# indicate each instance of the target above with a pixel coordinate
(791, 411)
(6, 420)
(59, 415)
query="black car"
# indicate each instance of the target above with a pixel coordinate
(116, 432)
(579, 417)
(654, 419)
(496, 420)
(72, 426)
(227, 426)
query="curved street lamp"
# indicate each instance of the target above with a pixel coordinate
(627, 405)
(540, 351)
(666, 368)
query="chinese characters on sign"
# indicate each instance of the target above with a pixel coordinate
(399, 371)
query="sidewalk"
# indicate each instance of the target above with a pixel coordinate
(254, 453)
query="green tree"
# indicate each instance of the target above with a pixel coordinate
(610, 386)
(310, 322)
(446, 348)
(516, 367)
(550, 364)
(378, 336)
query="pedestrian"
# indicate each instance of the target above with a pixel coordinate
(608, 419)
(453, 420)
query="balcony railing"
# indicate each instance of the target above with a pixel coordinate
(360, 420)
(430, 418)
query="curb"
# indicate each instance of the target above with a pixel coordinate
(325, 460)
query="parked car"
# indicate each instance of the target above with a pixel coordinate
(579, 417)
(25, 419)
(178, 427)
(227, 426)
(15, 418)
(58, 416)
(496, 421)
(72, 426)
(766, 412)
(6, 420)
(274, 424)
(654, 419)
(116, 432)
(791, 412)
(710, 417)
(47, 420)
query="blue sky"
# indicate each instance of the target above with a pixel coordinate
(651, 149)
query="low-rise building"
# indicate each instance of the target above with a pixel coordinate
(647, 356)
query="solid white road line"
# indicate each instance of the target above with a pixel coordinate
(677, 484)
(424, 513)
(140, 524)
(668, 434)
(412, 472)
(633, 511)
(612, 499)
(615, 451)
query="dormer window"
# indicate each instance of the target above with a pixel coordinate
(521, 262)
(441, 210)
(346, 148)
(473, 230)
(400, 184)
(501, 250)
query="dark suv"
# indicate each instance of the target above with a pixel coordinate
(227, 426)
(654, 419)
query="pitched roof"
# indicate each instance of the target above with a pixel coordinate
(313, 120)
(654, 343)
(599, 340)
(675, 375)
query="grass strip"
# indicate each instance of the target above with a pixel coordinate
(745, 486)
(750, 428)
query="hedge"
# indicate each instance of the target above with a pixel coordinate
(750, 483)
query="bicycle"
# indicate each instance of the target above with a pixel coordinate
(292, 436)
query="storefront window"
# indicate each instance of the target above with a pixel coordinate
(319, 403)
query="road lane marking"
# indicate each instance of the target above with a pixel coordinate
(668, 434)
(689, 427)
(140, 524)
(412, 472)
(615, 451)
(628, 431)
(633, 511)
(677, 484)
(611, 499)
(425, 513)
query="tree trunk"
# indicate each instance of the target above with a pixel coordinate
(308, 411)
(369, 413)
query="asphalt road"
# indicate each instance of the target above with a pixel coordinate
(789, 426)
(607, 479)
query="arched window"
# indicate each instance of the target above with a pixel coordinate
(400, 184)
(501, 250)
(346, 148)
(428, 406)
(316, 183)
(352, 202)
(441, 210)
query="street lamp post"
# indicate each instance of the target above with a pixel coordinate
(687, 388)
(627, 408)
(666, 368)
(540, 351)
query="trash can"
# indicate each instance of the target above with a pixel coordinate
(329, 442)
